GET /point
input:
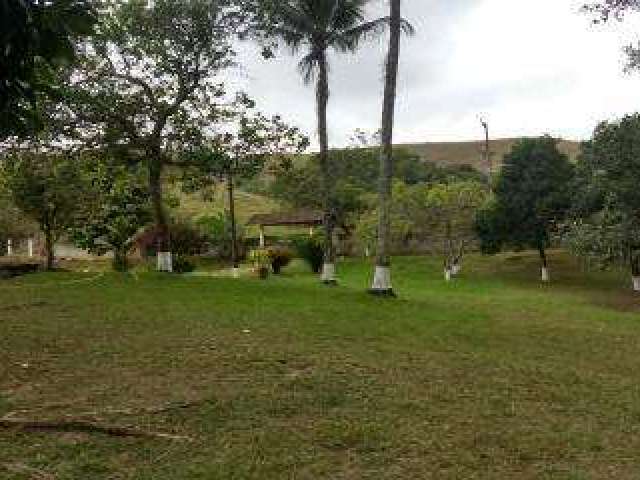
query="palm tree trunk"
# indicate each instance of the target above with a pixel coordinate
(322, 100)
(382, 277)
(232, 216)
(164, 260)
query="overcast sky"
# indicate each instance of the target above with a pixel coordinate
(531, 67)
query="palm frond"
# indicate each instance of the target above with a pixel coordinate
(308, 67)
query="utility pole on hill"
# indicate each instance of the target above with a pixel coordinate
(487, 153)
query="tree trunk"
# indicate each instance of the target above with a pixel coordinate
(543, 261)
(322, 100)
(449, 254)
(635, 271)
(232, 216)
(165, 263)
(382, 276)
(120, 260)
(49, 246)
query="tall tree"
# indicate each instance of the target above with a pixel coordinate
(532, 195)
(382, 275)
(36, 38)
(320, 26)
(606, 227)
(607, 10)
(149, 86)
(450, 210)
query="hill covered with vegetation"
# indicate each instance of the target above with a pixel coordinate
(471, 152)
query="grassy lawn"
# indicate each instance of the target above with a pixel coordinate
(493, 376)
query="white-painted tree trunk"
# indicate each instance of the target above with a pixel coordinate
(328, 273)
(545, 274)
(9, 247)
(456, 268)
(30, 247)
(165, 262)
(447, 274)
(636, 284)
(382, 280)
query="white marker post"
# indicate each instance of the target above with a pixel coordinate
(545, 274)
(30, 247)
(9, 248)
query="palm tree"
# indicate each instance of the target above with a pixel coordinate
(320, 26)
(382, 276)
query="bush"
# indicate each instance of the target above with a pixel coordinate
(280, 258)
(311, 250)
(182, 264)
(186, 239)
(217, 229)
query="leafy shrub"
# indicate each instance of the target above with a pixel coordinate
(217, 230)
(311, 250)
(186, 239)
(182, 264)
(280, 258)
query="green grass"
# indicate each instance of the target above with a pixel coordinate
(491, 377)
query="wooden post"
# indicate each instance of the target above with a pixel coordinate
(487, 154)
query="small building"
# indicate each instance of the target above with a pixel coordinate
(296, 218)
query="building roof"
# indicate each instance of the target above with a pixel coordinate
(282, 219)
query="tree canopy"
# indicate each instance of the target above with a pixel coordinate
(531, 196)
(36, 37)
(606, 227)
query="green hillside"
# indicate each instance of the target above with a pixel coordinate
(440, 153)
(471, 153)
(247, 204)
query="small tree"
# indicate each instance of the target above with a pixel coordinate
(531, 196)
(451, 210)
(118, 208)
(48, 188)
(606, 229)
